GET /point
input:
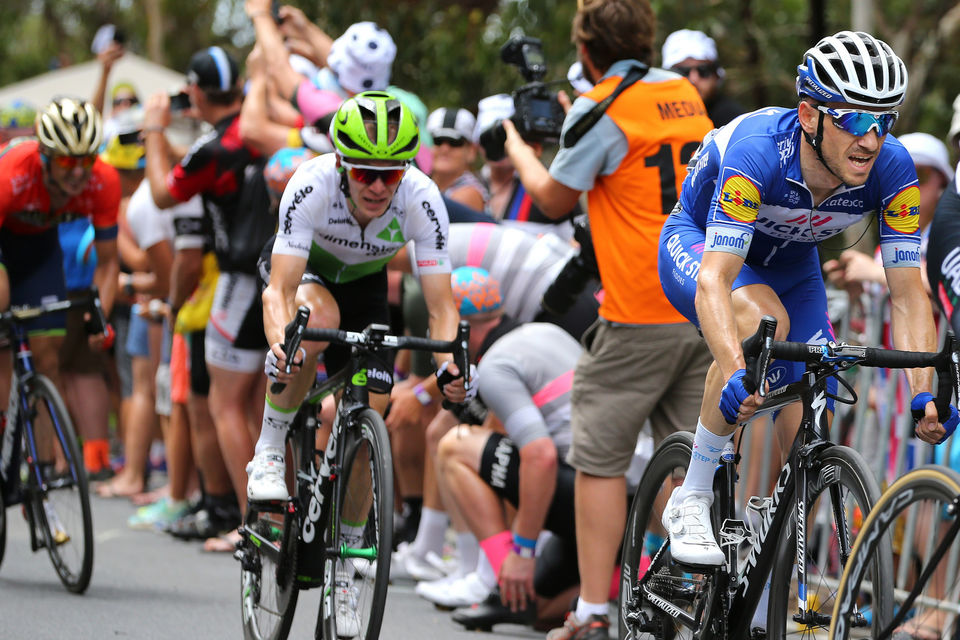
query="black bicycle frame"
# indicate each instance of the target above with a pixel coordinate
(744, 590)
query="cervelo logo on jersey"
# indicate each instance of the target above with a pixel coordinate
(437, 227)
(740, 199)
(298, 197)
(903, 213)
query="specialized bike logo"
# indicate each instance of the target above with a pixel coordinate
(902, 215)
(740, 199)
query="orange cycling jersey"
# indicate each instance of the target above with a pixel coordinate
(25, 203)
(664, 121)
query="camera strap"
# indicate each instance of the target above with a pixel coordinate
(592, 117)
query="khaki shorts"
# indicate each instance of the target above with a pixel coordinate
(626, 375)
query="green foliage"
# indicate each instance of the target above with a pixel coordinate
(448, 51)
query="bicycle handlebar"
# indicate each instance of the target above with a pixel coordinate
(760, 348)
(98, 323)
(373, 337)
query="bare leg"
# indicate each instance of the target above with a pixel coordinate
(601, 510)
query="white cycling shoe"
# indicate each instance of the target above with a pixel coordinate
(454, 593)
(687, 522)
(266, 477)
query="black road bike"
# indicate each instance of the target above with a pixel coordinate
(800, 558)
(300, 543)
(41, 466)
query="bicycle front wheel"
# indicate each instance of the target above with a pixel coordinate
(360, 533)
(60, 502)
(917, 516)
(658, 599)
(841, 490)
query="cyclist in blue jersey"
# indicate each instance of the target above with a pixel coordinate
(741, 243)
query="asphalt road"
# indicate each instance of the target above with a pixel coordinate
(147, 585)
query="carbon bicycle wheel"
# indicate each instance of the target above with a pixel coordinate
(60, 506)
(647, 573)
(268, 563)
(841, 490)
(916, 516)
(361, 530)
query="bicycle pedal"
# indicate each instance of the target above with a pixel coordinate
(270, 506)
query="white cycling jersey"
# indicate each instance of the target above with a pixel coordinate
(316, 224)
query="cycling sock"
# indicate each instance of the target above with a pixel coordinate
(707, 447)
(495, 550)
(276, 421)
(96, 454)
(468, 552)
(351, 534)
(431, 532)
(586, 609)
(488, 577)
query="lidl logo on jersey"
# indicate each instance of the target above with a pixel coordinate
(392, 233)
(903, 213)
(740, 199)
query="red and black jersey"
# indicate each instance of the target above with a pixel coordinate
(229, 176)
(25, 203)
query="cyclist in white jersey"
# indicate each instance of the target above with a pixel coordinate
(342, 217)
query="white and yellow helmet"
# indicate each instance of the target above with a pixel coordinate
(69, 126)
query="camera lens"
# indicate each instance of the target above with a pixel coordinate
(492, 140)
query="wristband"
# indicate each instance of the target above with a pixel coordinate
(525, 543)
(423, 396)
(523, 552)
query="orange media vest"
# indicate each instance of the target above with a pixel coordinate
(664, 122)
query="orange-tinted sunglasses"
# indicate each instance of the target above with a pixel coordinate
(368, 174)
(69, 163)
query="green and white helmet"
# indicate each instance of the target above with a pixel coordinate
(396, 136)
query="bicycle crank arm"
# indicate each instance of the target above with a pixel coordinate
(669, 608)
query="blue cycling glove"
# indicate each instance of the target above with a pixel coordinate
(918, 408)
(732, 396)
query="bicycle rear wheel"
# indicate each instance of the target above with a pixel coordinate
(647, 573)
(268, 590)
(360, 533)
(268, 562)
(841, 490)
(917, 515)
(60, 505)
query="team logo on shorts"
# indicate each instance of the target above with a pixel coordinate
(903, 213)
(740, 199)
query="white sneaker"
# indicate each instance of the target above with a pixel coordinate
(348, 620)
(266, 478)
(461, 592)
(691, 536)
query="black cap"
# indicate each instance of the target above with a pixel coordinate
(213, 69)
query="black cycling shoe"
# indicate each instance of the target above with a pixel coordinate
(208, 522)
(482, 616)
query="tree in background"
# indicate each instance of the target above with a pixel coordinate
(448, 52)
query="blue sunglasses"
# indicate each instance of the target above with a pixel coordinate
(859, 123)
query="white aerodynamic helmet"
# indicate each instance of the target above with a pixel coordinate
(853, 67)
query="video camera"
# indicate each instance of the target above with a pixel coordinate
(582, 267)
(538, 115)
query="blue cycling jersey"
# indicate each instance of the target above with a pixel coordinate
(744, 187)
